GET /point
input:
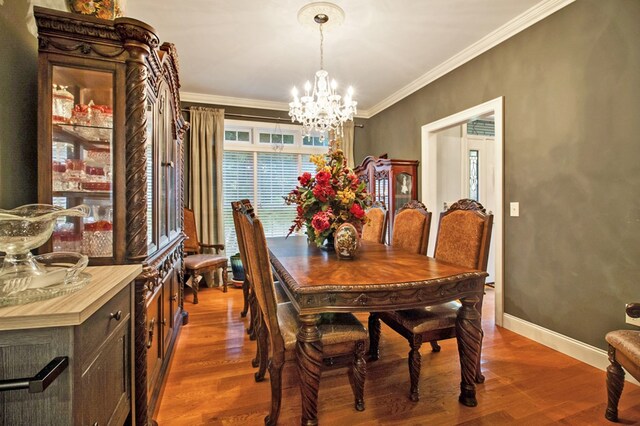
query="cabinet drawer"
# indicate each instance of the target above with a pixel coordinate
(97, 329)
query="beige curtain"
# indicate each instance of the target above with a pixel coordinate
(205, 172)
(347, 141)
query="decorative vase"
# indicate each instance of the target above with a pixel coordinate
(237, 268)
(346, 241)
(104, 9)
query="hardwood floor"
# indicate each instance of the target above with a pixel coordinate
(211, 380)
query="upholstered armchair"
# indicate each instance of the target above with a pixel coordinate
(376, 227)
(197, 263)
(624, 352)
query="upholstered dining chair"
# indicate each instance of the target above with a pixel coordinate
(250, 302)
(411, 228)
(464, 235)
(342, 335)
(624, 352)
(196, 262)
(376, 227)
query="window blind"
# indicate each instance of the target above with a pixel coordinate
(237, 178)
(277, 175)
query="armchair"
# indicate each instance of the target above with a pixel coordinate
(624, 351)
(197, 263)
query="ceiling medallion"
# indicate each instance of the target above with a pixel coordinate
(321, 109)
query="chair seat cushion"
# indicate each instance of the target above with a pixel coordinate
(335, 330)
(418, 321)
(626, 342)
(199, 261)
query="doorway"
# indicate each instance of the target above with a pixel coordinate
(445, 175)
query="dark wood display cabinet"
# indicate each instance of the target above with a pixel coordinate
(392, 182)
(110, 136)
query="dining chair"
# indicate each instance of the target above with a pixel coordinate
(411, 228)
(464, 235)
(342, 335)
(250, 303)
(624, 351)
(197, 262)
(376, 227)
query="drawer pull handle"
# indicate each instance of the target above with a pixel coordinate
(164, 321)
(40, 381)
(168, 164)
(152, 326)
(117, 316)
(174, 297)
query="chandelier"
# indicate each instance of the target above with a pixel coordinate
(321, 108)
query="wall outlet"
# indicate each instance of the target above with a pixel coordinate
(514, 209)
(632, 321)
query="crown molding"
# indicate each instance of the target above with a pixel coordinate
(202, 98)
(511, 28)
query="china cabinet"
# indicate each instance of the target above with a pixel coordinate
(110, 136)
(392, 182)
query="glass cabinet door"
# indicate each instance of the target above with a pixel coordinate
(82, 161)
(152, 243)
(403, 189)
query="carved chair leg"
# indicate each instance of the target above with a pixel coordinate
(414, 367)
(255, 324)
(275, 376)
(435, 347)
(479, 376)
(195, 286)
(225, 278)
(374, 337)
(263, 350)
(358, 374)
(245, 295)
(252, 322)
(615, 383)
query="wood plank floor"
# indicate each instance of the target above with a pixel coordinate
(211, 380)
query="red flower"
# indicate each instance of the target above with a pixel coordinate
(323, 192)
(300, 210)
(304, 179)
(357, 211)
(354, 180)
(322, 177)
(320, 221)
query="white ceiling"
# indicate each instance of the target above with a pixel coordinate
(252, 52)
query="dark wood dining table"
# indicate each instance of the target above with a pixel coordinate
(380, 278)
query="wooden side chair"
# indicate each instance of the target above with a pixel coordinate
(624, 351)
(376, 228)
(411, 228)
(196, 262)
(464, 235)
(342, 334)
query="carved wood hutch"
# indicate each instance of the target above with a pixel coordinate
(392, 182)
(110, 136)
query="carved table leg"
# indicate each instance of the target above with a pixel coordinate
(309, 355)
(358, 373)
(414, 367)
(469, 336)
(374, 337)
(615, 383)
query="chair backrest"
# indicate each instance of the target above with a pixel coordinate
(259, 267)
(411, 228)
(376, 227)
(236, 208)
(464, 235)
(191, 244)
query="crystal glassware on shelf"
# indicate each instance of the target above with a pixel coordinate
(21, 230)
(62, 104)
(74, 174)
(97, 236)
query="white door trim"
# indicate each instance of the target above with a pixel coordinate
(430, 177)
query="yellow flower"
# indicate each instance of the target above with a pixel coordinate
(318, 160)
(346, 196)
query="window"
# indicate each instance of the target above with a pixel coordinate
(252, 169)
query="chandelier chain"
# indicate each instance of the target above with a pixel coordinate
(321, 48)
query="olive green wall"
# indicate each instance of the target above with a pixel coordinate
(571, 86)
(18, 106)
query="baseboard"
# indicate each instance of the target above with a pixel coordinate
(588, 354)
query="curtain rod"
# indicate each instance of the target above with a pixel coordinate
(260, 117)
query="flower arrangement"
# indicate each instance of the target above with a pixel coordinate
(331, 197)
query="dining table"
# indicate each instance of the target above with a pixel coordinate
(379, 278)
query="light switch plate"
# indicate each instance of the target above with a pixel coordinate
(514, 209)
